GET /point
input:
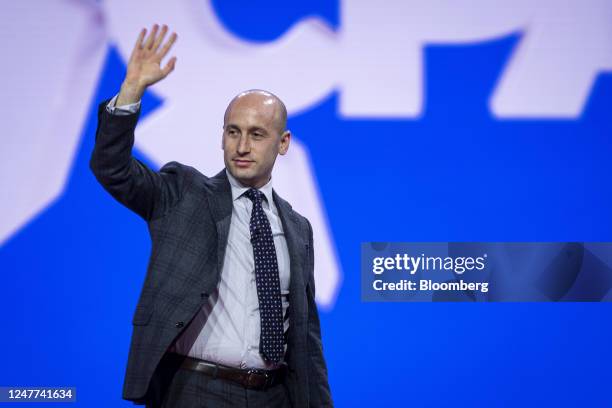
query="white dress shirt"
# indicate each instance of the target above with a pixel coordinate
(227, 328)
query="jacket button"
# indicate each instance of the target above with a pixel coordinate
(179, 324)
(203, 295)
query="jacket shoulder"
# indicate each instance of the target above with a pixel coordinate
(189, 174)
(302, 220)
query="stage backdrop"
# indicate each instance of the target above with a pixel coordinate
(413, 120)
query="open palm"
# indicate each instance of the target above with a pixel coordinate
(144, 67)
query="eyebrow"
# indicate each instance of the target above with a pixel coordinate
(257, 128)
(251, 129)
(228, 126)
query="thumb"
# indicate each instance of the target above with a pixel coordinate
(169, 66)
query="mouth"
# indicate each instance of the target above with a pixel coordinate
(242, 163)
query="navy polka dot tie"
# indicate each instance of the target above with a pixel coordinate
(271, 343)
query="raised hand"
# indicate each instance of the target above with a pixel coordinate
(144, 67)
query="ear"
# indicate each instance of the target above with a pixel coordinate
(222, 139)
(285, 139)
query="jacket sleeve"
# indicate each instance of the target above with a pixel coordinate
(320, 395)
(146, 192)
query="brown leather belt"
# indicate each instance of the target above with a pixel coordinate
(249, 378)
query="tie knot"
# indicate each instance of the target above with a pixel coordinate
(254, 195)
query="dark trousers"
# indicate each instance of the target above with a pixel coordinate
(175, 387)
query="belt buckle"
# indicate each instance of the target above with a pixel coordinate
(252, 379)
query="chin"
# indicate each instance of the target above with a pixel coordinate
(242, 173)
(245, 176)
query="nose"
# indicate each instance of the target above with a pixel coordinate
(244, 145)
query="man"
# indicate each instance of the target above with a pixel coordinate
(227, 315)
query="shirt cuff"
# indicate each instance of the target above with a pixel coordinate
(123, 109)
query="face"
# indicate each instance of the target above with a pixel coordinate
(252, 138)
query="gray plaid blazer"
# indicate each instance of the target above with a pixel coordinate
(188, 216)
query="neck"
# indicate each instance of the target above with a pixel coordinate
(255, 184)
(250, 182)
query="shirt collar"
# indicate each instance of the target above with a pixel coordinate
(238, 189)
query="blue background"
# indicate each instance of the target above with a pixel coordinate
(72, 276)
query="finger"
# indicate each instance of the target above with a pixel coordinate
(138, 45)
(160, 37)
(169, 66)
(141, 36)
(151, 37)
(164, 50)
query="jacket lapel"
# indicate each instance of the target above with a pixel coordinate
(220, 202)
(298, 251)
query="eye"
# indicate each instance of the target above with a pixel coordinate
(259, 134)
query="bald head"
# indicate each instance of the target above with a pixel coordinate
(263, 101)
(254, 135)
